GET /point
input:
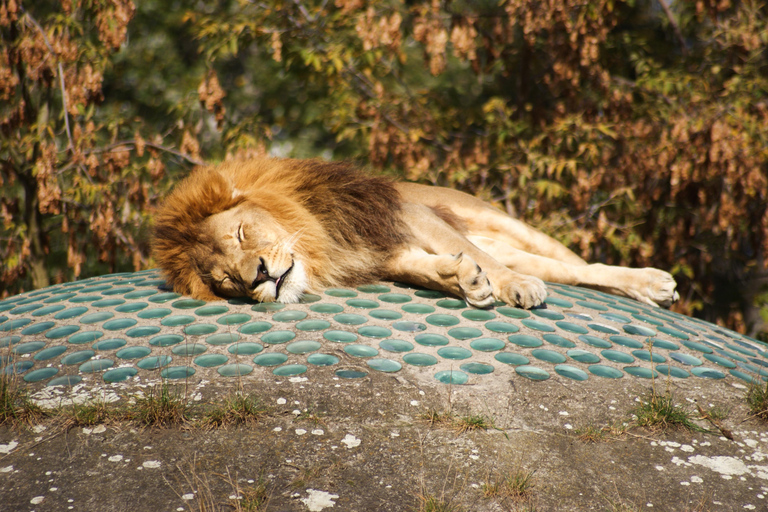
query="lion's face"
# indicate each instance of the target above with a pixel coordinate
(253, 256)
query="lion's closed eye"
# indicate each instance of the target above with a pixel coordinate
(240, 233)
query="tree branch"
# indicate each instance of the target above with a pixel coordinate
(675, 26)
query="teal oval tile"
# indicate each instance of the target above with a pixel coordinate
(234, 319)
(372, 331)
(118, 291)
(538, 326)
(50, 353)
(133, 352)
(59, 298)
(580, 316)
(119, 374)
(700, 347)
(18, 367)
(119, 324)
(452, 377)
(200, 329)
(362, 303)
(452, 304)
(555, 301)
(727, 363)
(61, 332)
(154, 362)
(686, 359)
(477, 315)
(431, 340)
(210, 360)
(96, 365)
(409, 326)
(278, 337)
(502, 327)
(254, 327)
(108, 303)
(524, 340)
(235, 369)
(384, 365)
(303, 347)
(512, 312)
(151, 314)
(166, 340)
(395, 298)
(350, 374)
(487, 344)
(373, 288)
(646, 319)
(571, 372)
(328, 309)
(385, 314)
(454, 353)
(396, 346)
(639, 330)
(442, 320)
(40, 374)
(77, 357)
(322, 359)
(746, 377)
(85, 337)
(270, 359)
(465, 333)
(65, 380)
(429, 294)
(477, 368)
(418, 309)
(582, 356)
(549, 356)
(37, 328)
(140, 294)
(511, 358)
(532, 372)
(48, 310)
(162, 298)
(615, 317)
(626, 342)
(70, 313)
(225, 338)
(177, 372)
(268, 307)
(605, 371)
(707, 373)
(340, 336)
(309, 298)
(245, 348)
(419, 359)
(645, 355)
(341, 292)
(673, 332)
(131, 307)
(360, 350)
(617, 357)
(80, 299)
(548, 314)
(607, 329)
(313, 325)
(639, 371)
(666, 345)
(350, 319)
(189, 349)
(289, 370)
(591, 305)
(557, 340)
(289, 316)
(25, 309)
(564, 325)
(214, 310)
(28, 348)
(16, 323)
(144, 330)
(188, 304)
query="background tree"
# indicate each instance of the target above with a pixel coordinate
(634, 131)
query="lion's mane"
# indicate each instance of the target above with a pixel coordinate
(348, 222)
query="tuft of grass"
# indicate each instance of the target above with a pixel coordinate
(236, 409)
(16, 407)
(88, 414)
(160, 407)
(660, 412)
(517, 486)
(757, 400)
(592, 434)
(432, 503)
(254, 498)
(472, 422)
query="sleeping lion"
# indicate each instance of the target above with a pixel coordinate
(273, 229)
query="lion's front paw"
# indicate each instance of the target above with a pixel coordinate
(474, 283)
(654, 287)
(520, 290)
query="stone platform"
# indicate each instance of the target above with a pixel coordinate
(370, 363)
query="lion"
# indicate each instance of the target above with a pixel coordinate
(274, 229)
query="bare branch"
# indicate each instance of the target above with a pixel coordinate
(131, 143)
(675, 26)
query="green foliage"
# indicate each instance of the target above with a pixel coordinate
(757, 400)
(635, 134)
(660, 412)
